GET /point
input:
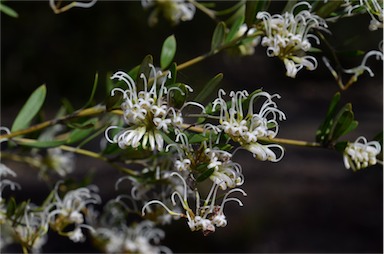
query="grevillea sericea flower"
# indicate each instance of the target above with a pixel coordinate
(207, 216)
(374, 8)
(147, 113)
(225, 172)
(140, 237)
(69, 210)
(361, 154)
(247, 128)
(4, 183)
(287, 37)
(173, 10)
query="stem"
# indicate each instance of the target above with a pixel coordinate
(77, 150)
(80, 113)
(97, 156)
(204, 9)
(293, 142)
(192, 61)
(282, 141)
(215, 51)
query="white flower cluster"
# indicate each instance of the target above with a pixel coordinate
(5, 172)
(287, 37)
(172, 10)
(225, 172)
(361, 154)
(247, 128)
(57, 160)
(375, 9)
(30, 225)
(139, 238)
(66, 211)
(146, 113)
(207, 215)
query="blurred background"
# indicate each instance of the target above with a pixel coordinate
(307, 203)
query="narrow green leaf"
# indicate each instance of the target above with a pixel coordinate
(79, 134)
(30, 109)
(326, 10)
(218, 36)
(289, 6)
(340, 146)
(42, 144)
(168, 52)
(11, 207)
(134, 71)
(209, 88)
(252, 8)
(9, 11)
(344, 122)
(144, 69)
(172, 80)
(234, 29)
(178, 96)
(111, 149)
(197, 138)
(207, 173)
(324, 129)
(94, 87)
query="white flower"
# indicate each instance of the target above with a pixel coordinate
(226, 174)
(5, 171)
(62, 163)
(77, 235)
(172, 10)
(376, 10)
(359, 70)
(68, 210)
(142, 237)
(205, 216)
(361, 154)
(32, 229)
(247, 128)
(286, 36)
(146, 113)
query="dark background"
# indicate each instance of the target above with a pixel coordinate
(308, 202)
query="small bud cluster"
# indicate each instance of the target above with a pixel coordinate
(361, 154)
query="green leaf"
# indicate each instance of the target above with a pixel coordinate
(344, 122)
(134, 71)
(209, 88)
(94, 87)
(252, 8)
(197, 138)
(218, 36)
(327, 9)
(30, 109)
(234, 29)
(171, 81)
(79, 134)
(178, 96)
(41, 144)
(325, 128)
(11, 207)
(168, 52)
(207, 173)
(289, 6)
(144, 69)
(9, 11)
(340, 146)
